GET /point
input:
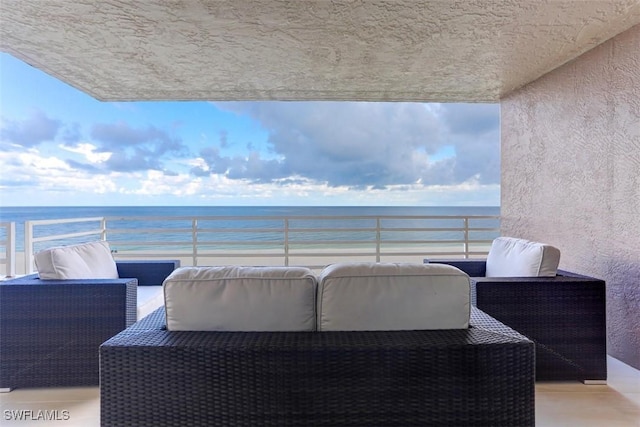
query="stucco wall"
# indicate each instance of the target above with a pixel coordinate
(571, 174)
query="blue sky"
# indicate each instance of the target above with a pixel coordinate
(60, 147)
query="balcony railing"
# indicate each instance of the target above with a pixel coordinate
(8, 248)
(312, 241)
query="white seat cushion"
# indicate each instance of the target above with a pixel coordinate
(149, 299)
(240, 299)
(83, 261)
(511, 257)
(369, 296)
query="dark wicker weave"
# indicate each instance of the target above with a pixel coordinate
(478, 377)
(50, 331)
(564, 315)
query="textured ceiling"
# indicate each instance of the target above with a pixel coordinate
(438, 50)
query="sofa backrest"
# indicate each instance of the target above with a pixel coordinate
(512, 257)
(91, 260)
(240, 299)
(374, 296)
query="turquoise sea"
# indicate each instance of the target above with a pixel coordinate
(21, 214)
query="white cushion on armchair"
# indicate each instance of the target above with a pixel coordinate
(511, 257)
(82, 261)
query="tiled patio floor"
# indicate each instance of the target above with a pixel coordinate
(616, 404)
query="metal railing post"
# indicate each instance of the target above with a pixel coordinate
(286, 242)
(194, 241)
(28, 247)
(11, 249)
(466, 237)
(378, 238)
(103, 228)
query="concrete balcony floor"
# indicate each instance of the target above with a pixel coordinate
(616, 404)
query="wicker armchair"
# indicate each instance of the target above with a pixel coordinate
(564, 315)
(50, 330)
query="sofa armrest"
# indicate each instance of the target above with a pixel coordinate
(148, 272)
(565, 315)
(557, 295)
(473, 267)
(50, 330)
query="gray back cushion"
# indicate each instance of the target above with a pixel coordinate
(372, 296)
(240, 299)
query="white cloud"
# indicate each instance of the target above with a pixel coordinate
(48, 176)
(155, 183)
(360, 144)
(89, 151)
(43, 174)
(30, 163)
(316, 153)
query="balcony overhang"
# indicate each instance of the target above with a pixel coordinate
(437, 50)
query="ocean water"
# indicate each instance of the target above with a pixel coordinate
(238, 219)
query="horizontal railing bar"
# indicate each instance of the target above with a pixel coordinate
(240, 242)
(330, 254)
(294, 242)
(418, 242)
(292, 217)
(427, 254)
(171, 231)
(256, 242)
(382, 229)
(271, 244)
(240, 230)
(281, 254)
(331, 242)
(342, 229)
(142, 255)
(317, 230)
(336, 230)
(329, 230)
(163, 231)
(148, 230)
(207, 254)
(247, 255)
(371, 243)
(64, 220)
(221, 253)
(138, 254)
(65, 236)
(461, 253)
(436, 229)
(115, 243)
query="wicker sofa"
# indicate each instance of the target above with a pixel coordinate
(564, 314)
(475, 376)
(50, 330)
